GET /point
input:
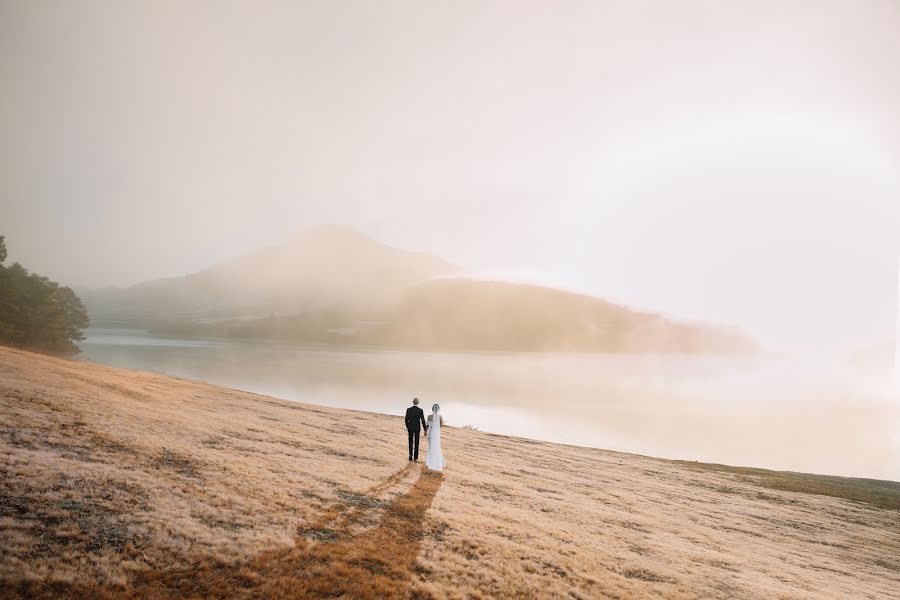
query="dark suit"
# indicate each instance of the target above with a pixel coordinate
(414, 418)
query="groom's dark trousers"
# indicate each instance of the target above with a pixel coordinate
(414, 418)
(414, 443)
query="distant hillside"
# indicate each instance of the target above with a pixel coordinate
(493, 315)
(330, 267)
(332, 285)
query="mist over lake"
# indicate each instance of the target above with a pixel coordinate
(809, 415)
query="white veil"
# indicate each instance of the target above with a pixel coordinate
(435, 458)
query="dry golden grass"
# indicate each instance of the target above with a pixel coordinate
(123, 484)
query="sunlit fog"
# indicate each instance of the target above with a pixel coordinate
(679, 220)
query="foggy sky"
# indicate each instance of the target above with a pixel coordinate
(734, 161)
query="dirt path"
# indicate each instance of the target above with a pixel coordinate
(364, 547)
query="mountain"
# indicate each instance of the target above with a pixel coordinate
(333, 285)
(330, 268)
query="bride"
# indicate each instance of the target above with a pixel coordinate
(435, 458)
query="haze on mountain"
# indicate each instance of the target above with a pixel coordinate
(731, 161)
(330, 267)
(331, 284)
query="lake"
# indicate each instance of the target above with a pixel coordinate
(812, 415)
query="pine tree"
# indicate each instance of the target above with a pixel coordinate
(37, 313)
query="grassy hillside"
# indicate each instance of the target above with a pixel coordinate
(122, 484)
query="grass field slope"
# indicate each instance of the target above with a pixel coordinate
(124, 484)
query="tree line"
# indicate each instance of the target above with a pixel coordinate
(37, 313)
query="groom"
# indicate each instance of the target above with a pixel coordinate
(414, 416)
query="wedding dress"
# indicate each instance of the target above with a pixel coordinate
(435, 458)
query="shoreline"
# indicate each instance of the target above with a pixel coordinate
(495, 397)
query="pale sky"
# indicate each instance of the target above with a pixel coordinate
(735, 161)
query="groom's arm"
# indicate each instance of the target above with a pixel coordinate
(422, 416)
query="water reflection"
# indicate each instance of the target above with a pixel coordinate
(803, 415)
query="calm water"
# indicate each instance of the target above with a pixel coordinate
(807, 415)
